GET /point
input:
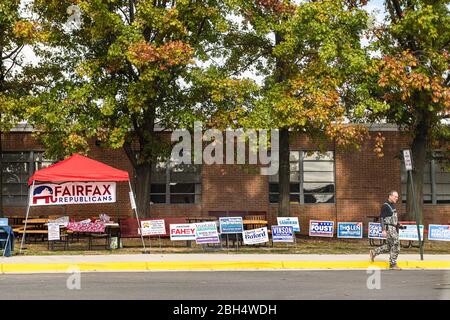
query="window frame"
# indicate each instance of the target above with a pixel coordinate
(168, 183)
(33, 160)
(433, 169)
(301, 183)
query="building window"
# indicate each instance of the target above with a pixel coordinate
(17, 168)
(318, 177)
(312, 182)
(176, 183)
(294, 187)
(436, 182)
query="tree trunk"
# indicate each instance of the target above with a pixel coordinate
(143, 182)
(284, 175)
(1, 173)
(2, 79)
(281, 74)
(142, 179)
(419, 152)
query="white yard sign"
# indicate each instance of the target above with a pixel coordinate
(289, 221)
(153, 227)
(255, 236)
(206, 232)
(182, 231)
(53, 231)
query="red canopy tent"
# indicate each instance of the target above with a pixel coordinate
(78, 168)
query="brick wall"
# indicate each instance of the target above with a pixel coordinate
(362, 183)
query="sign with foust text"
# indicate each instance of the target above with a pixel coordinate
(49, 194)
(321, 228)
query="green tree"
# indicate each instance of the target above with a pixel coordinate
(15, 33)
(410, 78)
(130, 67)
(310, 58)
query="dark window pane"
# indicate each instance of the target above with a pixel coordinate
(158, 188)
(185, 173)
(16, 156)
(294, 187)
(158, 198)
(15, 189)
(274, 187)
(319, 198)
(294, 198)
(318, 187)
(14, 200)
(182, 198)
(183, 188)
(273, 198)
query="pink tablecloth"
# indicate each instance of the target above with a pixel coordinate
(86, 227)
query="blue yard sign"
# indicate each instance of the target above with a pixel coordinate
(353, 230)
(231, 225)
(282, 234)
(375, 231)
(439, 232)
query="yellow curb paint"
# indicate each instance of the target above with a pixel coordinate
(66, 267)
(329, 264)
(214, 265)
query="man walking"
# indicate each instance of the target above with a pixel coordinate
(389, 227)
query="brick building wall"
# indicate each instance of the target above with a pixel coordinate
(362, 181)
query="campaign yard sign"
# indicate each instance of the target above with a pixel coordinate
(410, 233)
(53, 231)
(182, 231)
(352, 230)
(231, 225)
(51, 194)
(439, 232)
(321, 228)
(289, 221)
(282, 234)
(153, 227)
(206, 232)
(374, 231)
(255, 236)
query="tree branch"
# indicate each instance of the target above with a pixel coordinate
(9, 55)
(397, 8)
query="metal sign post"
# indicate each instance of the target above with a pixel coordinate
(409, 167)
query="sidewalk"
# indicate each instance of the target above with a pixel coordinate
(211, 262)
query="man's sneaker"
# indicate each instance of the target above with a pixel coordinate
(395, 267)
(372, 255)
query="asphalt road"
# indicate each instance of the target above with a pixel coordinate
(231, 285)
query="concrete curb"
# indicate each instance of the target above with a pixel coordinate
(212, 266)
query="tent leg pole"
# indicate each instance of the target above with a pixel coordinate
(137, 218)
(26, 218)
